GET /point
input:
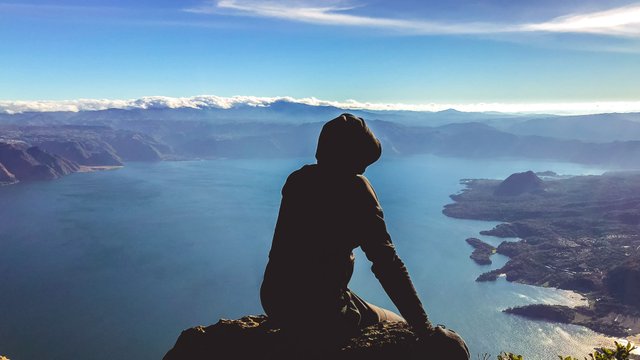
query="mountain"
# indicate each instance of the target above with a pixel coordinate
(48, 152)
(579, 234)
(278, 112)
(90, 145)
(519, 183)
(23, 163)
(599, 128)
(284, 129)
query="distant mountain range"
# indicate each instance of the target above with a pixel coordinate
(592, 128)
(283, 129)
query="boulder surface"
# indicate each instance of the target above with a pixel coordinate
(252, 337)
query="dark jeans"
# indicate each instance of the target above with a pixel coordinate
(307, 328)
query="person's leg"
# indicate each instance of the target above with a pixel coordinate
(386, 315)
(372, 314)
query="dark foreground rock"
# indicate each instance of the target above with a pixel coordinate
(252, 337)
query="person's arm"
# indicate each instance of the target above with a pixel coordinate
(386, 265)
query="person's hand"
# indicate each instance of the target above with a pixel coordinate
(442, 343)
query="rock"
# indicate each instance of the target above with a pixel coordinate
(253, 337)
(519, 183)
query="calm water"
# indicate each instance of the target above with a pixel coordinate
(115, 264)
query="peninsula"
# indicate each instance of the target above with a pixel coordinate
(579, 233)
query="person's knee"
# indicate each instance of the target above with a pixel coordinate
(392, 316)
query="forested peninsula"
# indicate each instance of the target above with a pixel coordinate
(579, 233)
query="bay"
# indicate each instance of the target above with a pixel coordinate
(115, 264)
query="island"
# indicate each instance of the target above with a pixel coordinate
(579, 233)
(481, 251)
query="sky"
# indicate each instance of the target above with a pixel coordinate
(366, 51)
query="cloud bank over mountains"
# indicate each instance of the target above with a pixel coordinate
(220, 102)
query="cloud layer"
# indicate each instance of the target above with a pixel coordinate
(219, 102)
(620, 21)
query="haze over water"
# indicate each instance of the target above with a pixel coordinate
(115, 264)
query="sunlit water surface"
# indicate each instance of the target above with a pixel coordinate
(114, 264)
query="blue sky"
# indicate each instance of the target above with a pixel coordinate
(413, 52)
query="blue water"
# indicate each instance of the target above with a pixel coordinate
(115, 264)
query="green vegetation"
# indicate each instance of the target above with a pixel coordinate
(621, 352)
(510, 356)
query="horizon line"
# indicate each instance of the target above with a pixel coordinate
(220, 102)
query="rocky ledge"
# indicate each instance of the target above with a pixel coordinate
(253, 337)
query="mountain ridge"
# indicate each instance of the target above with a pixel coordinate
(114, 136)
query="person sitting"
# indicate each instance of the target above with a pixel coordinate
(327, 210)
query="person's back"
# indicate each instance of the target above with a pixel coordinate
(314, 235)
(327, 210)
(311, 259)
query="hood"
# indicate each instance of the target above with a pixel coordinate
(347, 144)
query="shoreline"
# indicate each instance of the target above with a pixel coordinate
(93, 168)
(531, 258)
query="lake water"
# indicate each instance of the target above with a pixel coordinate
(115, 264)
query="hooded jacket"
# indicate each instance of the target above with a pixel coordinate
(327, 210)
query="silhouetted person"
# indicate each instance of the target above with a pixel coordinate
(327, 210)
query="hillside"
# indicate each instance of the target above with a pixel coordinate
(581, 233)
(114, 136)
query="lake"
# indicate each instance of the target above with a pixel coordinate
(114, 264)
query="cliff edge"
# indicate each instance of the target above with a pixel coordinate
(253, 337)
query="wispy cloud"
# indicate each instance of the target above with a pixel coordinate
(621, 21)
(220, 102)
(336, 15)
